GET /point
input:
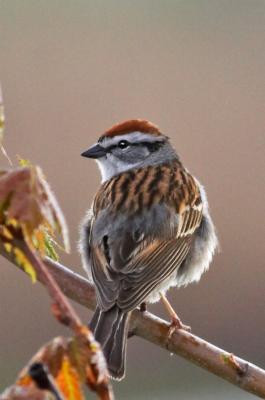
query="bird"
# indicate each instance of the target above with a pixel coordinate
(148, 229)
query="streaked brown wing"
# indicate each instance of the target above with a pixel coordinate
(107, 287)
(150, 268)
(151, 260)
(189, 220)
(132, 286)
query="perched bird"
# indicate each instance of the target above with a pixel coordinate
(148, 229)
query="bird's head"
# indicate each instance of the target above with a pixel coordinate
(131, 144)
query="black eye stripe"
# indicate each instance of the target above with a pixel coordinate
(152, 146)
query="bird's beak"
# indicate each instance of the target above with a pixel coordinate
(95, 151)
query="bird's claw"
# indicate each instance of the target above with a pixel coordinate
(175, 325)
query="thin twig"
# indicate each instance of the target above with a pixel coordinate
(61, 307)
(237, 371)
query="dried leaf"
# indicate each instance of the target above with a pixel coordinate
(24, 263)
(68, 381)
(51, 355)
(26, 393)
(26, 380)
(57, 358)
(29, 201)
(82, 348)
(72, 362)
(28, 205)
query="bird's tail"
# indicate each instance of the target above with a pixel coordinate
(110, 329)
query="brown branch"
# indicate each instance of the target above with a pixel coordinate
(237, 371)
(62, 309)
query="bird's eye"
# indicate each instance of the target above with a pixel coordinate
(123, 144)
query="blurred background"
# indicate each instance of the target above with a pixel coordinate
(71, 69)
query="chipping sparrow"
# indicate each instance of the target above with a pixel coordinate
(149, 228)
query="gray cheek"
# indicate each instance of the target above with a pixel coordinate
(131, 155)
(118, 161)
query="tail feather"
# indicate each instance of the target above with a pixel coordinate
(94, 320)
(110, 329)
(116, 362)
(102, 324)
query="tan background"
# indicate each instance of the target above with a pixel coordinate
(70, 69)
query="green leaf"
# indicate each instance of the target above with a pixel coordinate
(49, 247)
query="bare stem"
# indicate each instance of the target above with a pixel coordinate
(61, 307)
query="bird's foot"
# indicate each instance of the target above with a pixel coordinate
(177, 324)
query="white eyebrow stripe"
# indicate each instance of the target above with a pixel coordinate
(132, 137)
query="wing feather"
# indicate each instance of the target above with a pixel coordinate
(106, 287)
(139, 284)
(131, 269)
